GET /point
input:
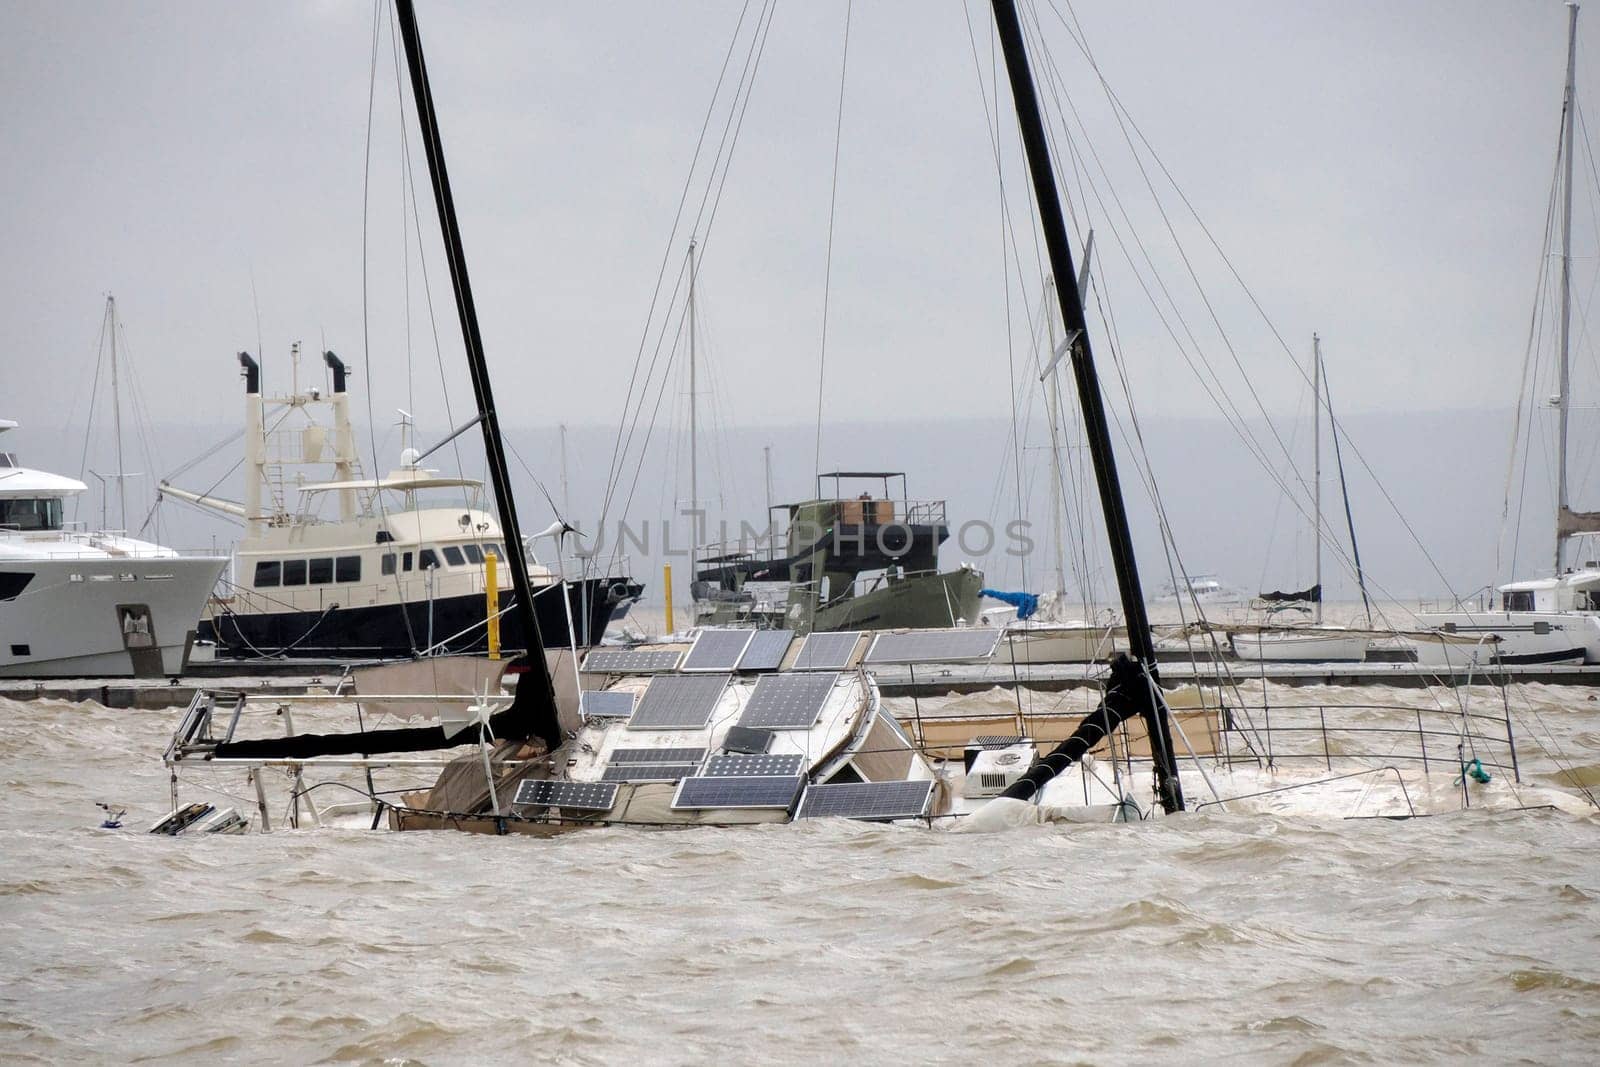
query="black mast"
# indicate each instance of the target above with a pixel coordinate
(543, 711)
(1152, 709)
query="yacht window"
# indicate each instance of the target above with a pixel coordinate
(294, 572)
(267, 573)
(36, 513)
(322, 570)
(1521, 600)
(452, 556)
(427, 559)
(348, 569)
(389, 561)
(499, 551)
(406, 565)
(473, 553)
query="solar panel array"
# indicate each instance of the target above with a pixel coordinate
(787, 701)
(605, 704)
(737, 792)
(743, 765)
(717, 650)
(866, 800)
(631, 661)
(933, 646)
(657, 755)
(678, 702)
(577, 796)
(826, 652)
(766, 650)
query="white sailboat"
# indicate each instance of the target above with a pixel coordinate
(1554, 619)
(1315, 643)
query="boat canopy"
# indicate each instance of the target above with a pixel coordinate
(402, 481)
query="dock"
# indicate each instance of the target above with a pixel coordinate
(311, 677)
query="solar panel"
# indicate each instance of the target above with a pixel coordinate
(578, 796)
(717, 650)
(657, 755)
(788, 763)
(744, 739)
(755, 792)
(933, 646)
(605, 704)
(766, 650)
(866, 800)
(827, 652)
(631, 661)
(648, 772)
(787, 701)
(678, 702)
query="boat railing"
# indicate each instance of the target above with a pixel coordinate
(1479, 600)
(770, 544)
(1439, 740)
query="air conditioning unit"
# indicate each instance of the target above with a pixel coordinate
(994, 763)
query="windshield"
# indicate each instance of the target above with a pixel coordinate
(36, 513)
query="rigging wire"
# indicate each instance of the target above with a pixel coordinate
(827, 268)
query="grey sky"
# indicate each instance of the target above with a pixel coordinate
(1376, 171)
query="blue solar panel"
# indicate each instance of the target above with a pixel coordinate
(735, 792)
(657, 755)
(933, 646)
(678, 702)
(866, 800)
(647, 772)
(783, 764)
(826, 652)
(717, 650)
(787, 701)
(606, 704)
(630, 661)
(766, 650)
(578, 796)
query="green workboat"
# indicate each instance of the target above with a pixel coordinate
(845, 560)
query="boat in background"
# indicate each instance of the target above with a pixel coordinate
(864, 562)
(402, 570)
(75, 602)
(1554, 619)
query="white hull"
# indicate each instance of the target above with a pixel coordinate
(69, 619)
(1056, 644)
(1523, 636)
(1319, 647)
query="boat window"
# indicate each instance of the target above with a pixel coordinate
(267, 573)
(499, 551)
(407, 562)
(322, 570)
(427, 559)
(294, 572)
(1519, 600)
(473, 553)
(347, 569)
(388, 562)
(36, 513)
(452, 556)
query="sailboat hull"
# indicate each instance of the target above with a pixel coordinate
(1319, 647)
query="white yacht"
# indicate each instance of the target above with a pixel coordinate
(401, 567)
(74, 602)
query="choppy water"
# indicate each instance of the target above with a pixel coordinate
(1280, 940)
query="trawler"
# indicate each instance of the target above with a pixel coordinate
(401, 568)
(844, 561)
(80, 602)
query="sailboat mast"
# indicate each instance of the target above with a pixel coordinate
(1096, 427)
(566, 501)
(1053, 402)
(1316, 466)
(694, 451)
(116, 416)
(545, 724)
(1568, 106)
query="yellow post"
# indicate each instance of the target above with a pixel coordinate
(491, 578)
(666, 588)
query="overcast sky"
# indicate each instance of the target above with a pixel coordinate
(1377, 172)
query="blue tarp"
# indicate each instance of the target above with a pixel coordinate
(1025, 603)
